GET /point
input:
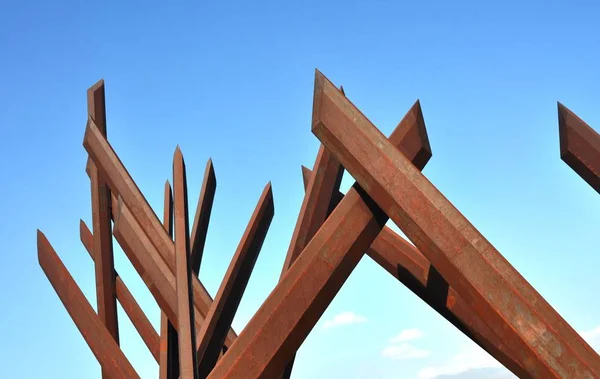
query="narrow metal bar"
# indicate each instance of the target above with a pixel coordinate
(210, 338)
(146, 221)
(128, 302)
(579, 146)
(169, 352)
(545, 344)
(202, 217)
(94, 332)
(104, 262)
(188, 369)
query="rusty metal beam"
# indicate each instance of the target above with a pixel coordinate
(404, 262)
(96, 335)
(579, 146)
(104, 262)
(120, 182)
(169, 348)
(128, 302)
(292, 309)
(202, 217)
(546, 345)
(210, 337)
(183, 271)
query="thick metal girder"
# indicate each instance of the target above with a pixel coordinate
(579, 146)
(169, 348)
(96, 335)
(202, 216)
(183, 271)
(403, 261)
(128, 302)
(211, 335)
(101, 217)
(120, 182)
(295, 305)
(544, 343)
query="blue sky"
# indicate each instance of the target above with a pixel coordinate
(234, 81)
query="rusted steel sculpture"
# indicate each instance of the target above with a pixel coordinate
(451, 266)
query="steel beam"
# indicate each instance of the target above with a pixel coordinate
(545, 344)
(222, 311)
(202, 217)
(94, 332)
(120, 182)
(128, 302)
(104, 262)
(579, 146)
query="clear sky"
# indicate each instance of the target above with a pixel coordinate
(234, 82)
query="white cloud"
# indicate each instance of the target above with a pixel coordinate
(404, 351)
(407, 335)
(593, 338)
(468, 359)
(345, 318)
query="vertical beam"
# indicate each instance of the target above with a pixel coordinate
(546, 345)
(404, 262)
(104, 264)
(202, 217)
(183, 273)
(579, 146)
(146, 221)
(130, 306)
(101, 342)
(169, 349)
(211, 336)
(295, 305)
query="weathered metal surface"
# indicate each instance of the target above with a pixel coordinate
(188, 368)
(128, 302)
(101, 222)
(120, 182)
(579, 146)
(169, 348)
(202, 216)
(403, 261)
(96, 335)
(222, 311)
(544, 343)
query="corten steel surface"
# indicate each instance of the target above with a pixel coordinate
(120, 181)
(579, 146)
(290, 312)
(183, 271)
(103, 346)
(169, 349)
(403, 261)
(128, 302)
(202, 216)
(546, 345)
(222, 311)
(104, 263)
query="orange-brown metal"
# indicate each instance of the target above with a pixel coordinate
(579, 146)
(101, 222)
(126, 299)
(545, 344)
(96, 335)
(202, 217)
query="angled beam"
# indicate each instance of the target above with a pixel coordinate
(183, 271)
(101, 342)
(146, 221)
(579, 146)
(202, 217)
(104, 262)
(546, 345)
(211, 336)
(169, 349)
(128, 302)
(295, 305)
(403, 261)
